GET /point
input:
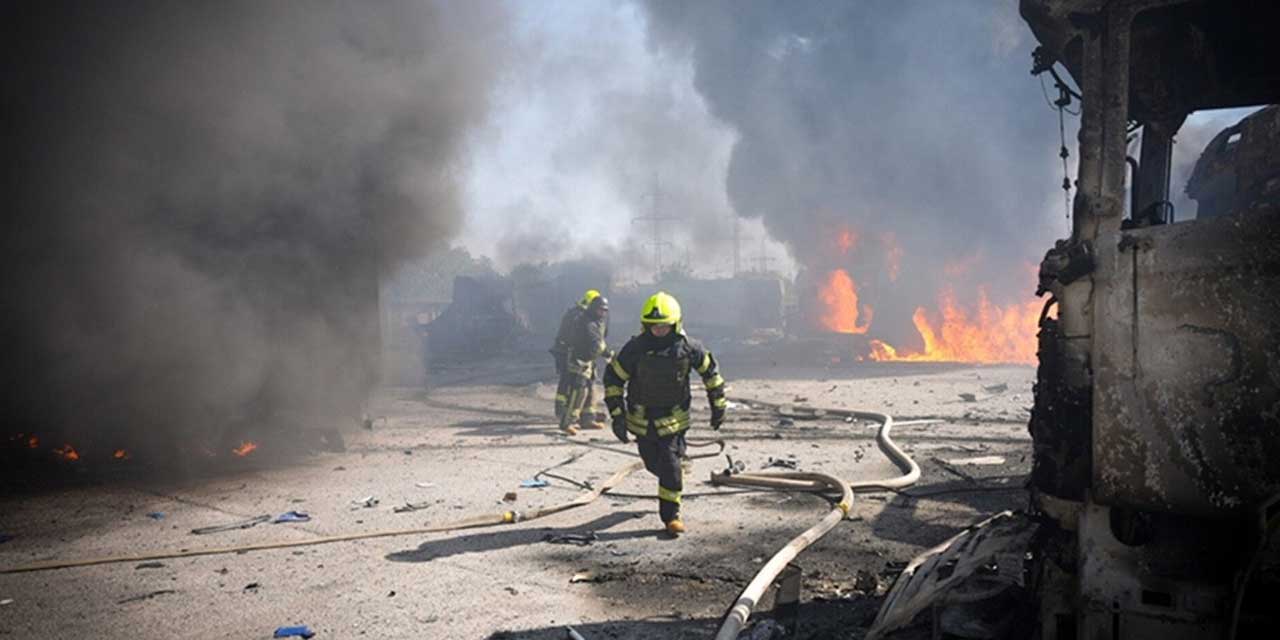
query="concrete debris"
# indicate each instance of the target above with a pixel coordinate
(364, 503)
(979, 461)
(968, 397)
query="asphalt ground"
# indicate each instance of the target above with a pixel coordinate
(455, 451)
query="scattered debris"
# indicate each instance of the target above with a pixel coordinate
(292, 516)
(572, 634)
(766, 629)
(781, 463)
(848, 419)
(146, 596)
(252, 586)
(6, 602)
(150, 565)
(576, 539)
(412, 506)
(243, 524)
(511, 590)
(996, 388)
(300, 631)
(509, 496)
(533, 483)
(785, 422)
(391, 594)
(156, 515)
(366, 502)
(585, 576)
(968, 397)
(424, 485)
(947, 466)
(339, 468)
(981, 460)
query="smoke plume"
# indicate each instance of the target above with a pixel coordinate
(201, 197)
(915, 126)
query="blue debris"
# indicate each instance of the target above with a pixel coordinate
(534, 483)
(156, 515)
(292, 516)
(301, 631)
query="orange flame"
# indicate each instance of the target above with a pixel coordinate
(68, 452)
(992, 334)
(840, 295)
(245, 448)
(33, 442)
(120, 454)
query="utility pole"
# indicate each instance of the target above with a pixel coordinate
(657, 219)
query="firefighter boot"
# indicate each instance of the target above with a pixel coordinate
(675, 527)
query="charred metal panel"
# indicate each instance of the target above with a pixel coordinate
(1187, 365)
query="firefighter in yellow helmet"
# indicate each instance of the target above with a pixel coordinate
(646, 388)
(586, 344)
(560, 348)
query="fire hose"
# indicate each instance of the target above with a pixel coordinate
(736, 617)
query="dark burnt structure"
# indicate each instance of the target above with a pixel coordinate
(1156, 426)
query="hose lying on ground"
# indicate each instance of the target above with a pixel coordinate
(736, 617)
(506, 517)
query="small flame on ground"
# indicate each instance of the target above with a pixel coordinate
(120, 454)
(33, 442)
(67, 452)
(245, 448)
(840, 296)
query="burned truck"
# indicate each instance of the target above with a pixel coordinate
(1155, 487)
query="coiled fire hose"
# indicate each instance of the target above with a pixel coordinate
(736, 617)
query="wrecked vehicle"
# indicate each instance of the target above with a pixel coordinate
(1155, 489)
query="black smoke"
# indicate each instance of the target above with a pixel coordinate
(201, 197)
(916, 119)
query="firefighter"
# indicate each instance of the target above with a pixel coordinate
(560, 348)
(586, 344)
(646, 388)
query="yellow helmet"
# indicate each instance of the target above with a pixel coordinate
(660, 308)
(587, 297)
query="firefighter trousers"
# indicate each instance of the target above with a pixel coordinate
(577, 387)
(662, 456)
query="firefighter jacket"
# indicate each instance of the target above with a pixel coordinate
(586, 343)
(570, 318)
(648, 381)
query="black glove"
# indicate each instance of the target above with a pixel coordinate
(717, 417)
(620, 429)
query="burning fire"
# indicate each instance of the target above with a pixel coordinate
(245, 448)
(33, 442)
(840, 295)
(992, 334)
(67, 452)
(120, 454)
